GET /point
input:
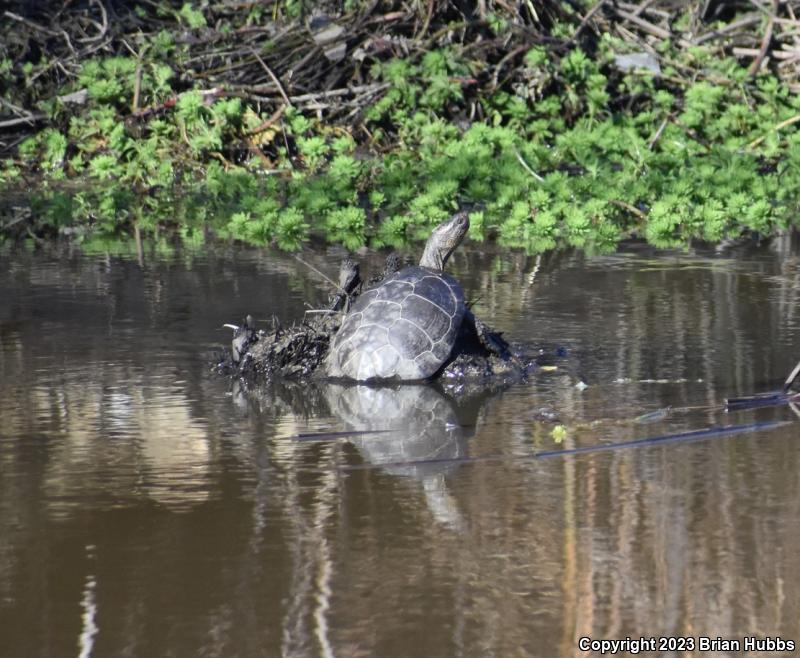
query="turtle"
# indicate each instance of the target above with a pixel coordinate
(405, 328)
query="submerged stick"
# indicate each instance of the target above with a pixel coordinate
(767, 399)
(316, 271)
(760, 400)
(792, 376)
(693, 435)
(327, 436)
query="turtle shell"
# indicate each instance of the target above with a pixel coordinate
(404, 329)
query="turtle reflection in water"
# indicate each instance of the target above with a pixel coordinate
(413, 325)
(418, 434)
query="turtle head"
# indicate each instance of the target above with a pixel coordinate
(443, 241)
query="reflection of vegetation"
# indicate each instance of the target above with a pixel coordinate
(113, 245)
(569, 151)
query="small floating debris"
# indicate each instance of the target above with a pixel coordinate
(546, 414)
(559, 433)
(653, 416)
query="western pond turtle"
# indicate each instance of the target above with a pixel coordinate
(405, 328)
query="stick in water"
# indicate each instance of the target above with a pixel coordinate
(792, 376)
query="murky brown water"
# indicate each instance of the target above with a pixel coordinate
(149, 509)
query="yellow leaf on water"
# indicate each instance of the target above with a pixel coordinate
(559, 433)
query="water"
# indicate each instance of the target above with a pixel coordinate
(150, 508)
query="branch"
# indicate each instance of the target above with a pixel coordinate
(30, 120)
(31, 24)
(274, 78)
(762, 52)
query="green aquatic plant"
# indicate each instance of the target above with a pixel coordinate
(346, 225)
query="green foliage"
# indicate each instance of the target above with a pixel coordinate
(162, 44)
(193, 18)
(104, 166)
(346, 225)
(189, 107)
(292, 229)
(568, 151)
(10, 173)
(497, 23)
(108, 80)
(314, 150)
(55, 147)
(112, 80)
